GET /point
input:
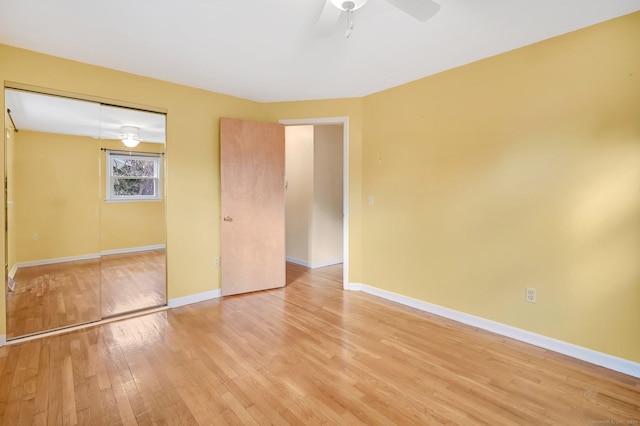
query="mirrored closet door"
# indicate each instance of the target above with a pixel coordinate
(132, 210)
(77, 251)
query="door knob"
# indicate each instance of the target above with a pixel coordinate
(227, 219)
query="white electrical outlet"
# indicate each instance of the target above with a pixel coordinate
(35, 237)
(531, 295)
(370, 200)
(217, 261)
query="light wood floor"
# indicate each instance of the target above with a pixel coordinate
(58, 295)
(133, 281)
(51, 296)
(306, 354)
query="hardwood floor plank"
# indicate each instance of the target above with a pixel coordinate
(29, 384)
(39, 419)
(262, 405)
(96, 404)
(111, 413)
(242, 414)
(309, 353)
(54, 403)
(69, 406)
(132, 281)
(41, 397)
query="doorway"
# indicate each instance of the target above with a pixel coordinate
(317, 192)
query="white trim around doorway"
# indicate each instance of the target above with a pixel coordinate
(344, 121)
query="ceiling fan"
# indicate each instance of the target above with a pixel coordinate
(422, 10)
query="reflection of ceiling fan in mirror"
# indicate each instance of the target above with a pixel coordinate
(67, 116)
(422, 10)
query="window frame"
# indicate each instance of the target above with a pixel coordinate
(109, 177)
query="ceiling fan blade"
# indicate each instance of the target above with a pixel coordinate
(422, 10)
(328, 19)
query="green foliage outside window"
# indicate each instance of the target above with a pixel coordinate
(133, 177)
(138, 177)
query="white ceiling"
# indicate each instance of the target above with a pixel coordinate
(55, 114)
(268, 50)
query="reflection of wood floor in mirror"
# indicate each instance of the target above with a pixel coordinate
(59, 295)
(133, 281)
(51, 296)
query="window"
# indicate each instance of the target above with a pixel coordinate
(133, 177)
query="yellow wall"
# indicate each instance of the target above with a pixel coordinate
(518, 170)
(327, 217)
(55, 196)
(298, 192)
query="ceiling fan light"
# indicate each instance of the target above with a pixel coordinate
(129, 136)
(348, 4)
(130, 142)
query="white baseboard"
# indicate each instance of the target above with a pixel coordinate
(11, 278)
(194, 298)
(12, 272)
(85, 256)
(57, 260)
(3, 339)
(589, 355)
(298, 262)
(316, 264)
(132, 249)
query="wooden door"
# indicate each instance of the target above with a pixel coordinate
(252, 206)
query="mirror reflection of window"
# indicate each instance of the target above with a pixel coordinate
(133, 178)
